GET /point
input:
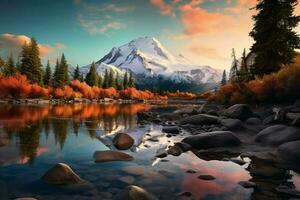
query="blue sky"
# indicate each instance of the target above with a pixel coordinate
(204, 31)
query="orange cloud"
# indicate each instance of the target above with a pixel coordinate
(164, 8)
(197, 20)
(13, 44)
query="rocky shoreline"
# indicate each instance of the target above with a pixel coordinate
(270, 137)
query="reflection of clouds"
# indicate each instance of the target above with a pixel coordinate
(10, 155)
(227, 176)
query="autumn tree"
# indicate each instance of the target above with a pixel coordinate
(92, 76)
(77, 74)
(9, 67)
(274, 35)
(47, 75)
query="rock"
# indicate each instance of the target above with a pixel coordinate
(206, 177)
(269, 120)
(123, 141)
(280, 114)
(61, 174)
(232, 124)
(212, 140)
(238, 111)
(296, 122)
(133, 192)
(200, 119)
(106, 156)
(171, 129)
(283, 189)
(185, 194)
(278, 134)
(127, 179)
(237, 161)
(254, 121)
(161, 153)
(191, 171)
(290, 152)
(247, 184)
(25, 198)
(183, 146)
(174, 150)
(170, 116)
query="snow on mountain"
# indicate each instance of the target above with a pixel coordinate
(146, 56)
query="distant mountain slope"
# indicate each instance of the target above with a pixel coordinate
(148, 60)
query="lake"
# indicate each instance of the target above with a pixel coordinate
(34, 138)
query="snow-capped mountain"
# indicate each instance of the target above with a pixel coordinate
(145, 57)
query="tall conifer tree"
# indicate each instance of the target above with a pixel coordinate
(77, 73)
(92, 77)
(48, 75)
(274, 35)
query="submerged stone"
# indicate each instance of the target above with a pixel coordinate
(106, 156)
(61, 174)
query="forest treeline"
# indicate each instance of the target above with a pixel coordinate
(27, 78)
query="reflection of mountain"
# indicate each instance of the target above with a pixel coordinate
(25, 125)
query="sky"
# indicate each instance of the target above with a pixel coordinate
(204, 31)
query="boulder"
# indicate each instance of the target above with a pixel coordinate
(247, 184)
(183, 146)
(200, 119)
(106, 156)
(238, 111)
(269, 120)
(123, 141)
(290, 152)
(174, 151)
(25, 198)
(232, 124)
(277, 135)
(171, 129)
(254, 121)
(61, 174)
(133, 192)
(212, 140)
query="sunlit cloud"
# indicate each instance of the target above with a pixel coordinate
(13, 44)
(164, 8)
(101, 19)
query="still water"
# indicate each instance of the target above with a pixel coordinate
(35, 138)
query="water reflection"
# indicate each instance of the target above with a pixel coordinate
(24, 125)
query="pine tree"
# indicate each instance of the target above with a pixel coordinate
(18, 65)
(92, 77)
(106, 80)
(2, 65)
(100, 83)
(57, 76)
(31, 63)
(111, 79)
(224, 78)
(9, 68)
(243, 73)
(77, 73)
(125, 80)
(131, 80)
(48, 75)
(234, 68)
(64, 70)
(275, 39)
(119, 86)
